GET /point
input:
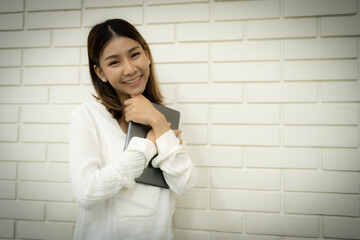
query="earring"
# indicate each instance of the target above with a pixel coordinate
(103, 79)
(149, 62)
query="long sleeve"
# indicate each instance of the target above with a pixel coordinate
(177, 167)
(93, 179)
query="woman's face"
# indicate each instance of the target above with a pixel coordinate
(125, 65)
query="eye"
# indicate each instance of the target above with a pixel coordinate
(134, 55)
(113, 63)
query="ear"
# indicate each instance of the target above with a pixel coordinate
(99, 72)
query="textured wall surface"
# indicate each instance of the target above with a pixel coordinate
(269, 93)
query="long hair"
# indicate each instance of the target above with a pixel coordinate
(99, 36)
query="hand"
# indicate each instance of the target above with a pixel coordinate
(177, 133)
(151, 136)
(140, 110)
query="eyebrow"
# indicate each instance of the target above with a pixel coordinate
(116, 55)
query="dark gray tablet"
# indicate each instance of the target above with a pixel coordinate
(152, 176)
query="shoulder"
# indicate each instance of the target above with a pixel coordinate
(89, 110)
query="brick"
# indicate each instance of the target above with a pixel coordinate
(234, 236)
(195, 134)
(245, 51)
(20, 39)
(59, 76)
(9, 113)
(9, 132)
(11, 6)
(210, 93)
(44, 230)
(179, 73)
(71, 95)
(246, 72)
(210, 31)
(202, 177)
(7, 170)
(341, 159)
(246, 10)
(196, 199)
(288, 28)
(341, 227)
(22, 152)
(63, 212)
(293, 8)
(11, 22)
(7, 190)
(45, 191)
(58, 133)
(320, 48)
(245, 179)
(23, 95)
(70, 37)
(22, 210)
(58, 152)
(168, 92)
(180, 234)
(193, 114)
(245, 135)
(247, 114)
(245, 201)
(319, 181)
(184, 52)
(285, 92)
(85, 78)
(62, 19)
(51, 57)
(46, 113)
(134, 15)
(340, 26)
(111, 3)
(324, 136)
(10, 58)
(212, 156)
(84, 56)
(334, 114)
(326, 204)
(282, 158)
(7, 228)
(154, 2)
(208, 220)
(292, 225)
(160, 33)
(51, 172)
(40, 5)
(177, 13)
(10, 76)
(321, 70)
(341, 91)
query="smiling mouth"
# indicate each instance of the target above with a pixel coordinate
(133, 80)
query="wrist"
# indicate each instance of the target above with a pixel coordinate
(159, 125)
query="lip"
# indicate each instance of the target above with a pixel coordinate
(133, 82)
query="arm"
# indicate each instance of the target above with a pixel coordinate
(94, 181)
(177, 167)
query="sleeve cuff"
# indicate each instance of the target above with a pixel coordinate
(144, 146)
(166, 145)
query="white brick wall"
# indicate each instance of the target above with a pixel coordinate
(269, 92)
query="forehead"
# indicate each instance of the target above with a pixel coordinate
(119, 46)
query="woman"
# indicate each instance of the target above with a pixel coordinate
(112, 205)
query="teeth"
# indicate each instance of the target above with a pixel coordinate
(132, 81)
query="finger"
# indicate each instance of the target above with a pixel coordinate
(177, 132)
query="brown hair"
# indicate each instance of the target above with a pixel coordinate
(98, 38)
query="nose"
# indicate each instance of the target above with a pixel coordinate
(129, 68)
